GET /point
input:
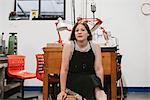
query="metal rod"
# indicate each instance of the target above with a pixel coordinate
(15, 5)
(73, 6)
(39, 12)
(21, 9)
(86, 10)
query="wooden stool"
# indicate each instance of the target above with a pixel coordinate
(71, 97)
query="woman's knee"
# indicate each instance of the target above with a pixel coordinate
(100, 94)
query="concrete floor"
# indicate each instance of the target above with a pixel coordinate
(138, 96)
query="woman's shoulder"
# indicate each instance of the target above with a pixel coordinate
(68, 47)
(68, 44)
(94, 44)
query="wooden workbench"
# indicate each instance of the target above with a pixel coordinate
(52, 57)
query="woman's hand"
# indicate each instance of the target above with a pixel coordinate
(61, 96)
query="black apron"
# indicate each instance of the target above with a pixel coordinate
(81, 76)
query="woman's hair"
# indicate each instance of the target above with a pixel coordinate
(72, 37)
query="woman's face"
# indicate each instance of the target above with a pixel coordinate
(81, 33)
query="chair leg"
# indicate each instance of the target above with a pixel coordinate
(49, 91)
(121, 85)
(22, 93)
(54, 91)
(21, 90)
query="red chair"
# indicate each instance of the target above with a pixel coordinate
(16, 69)
(53, 79)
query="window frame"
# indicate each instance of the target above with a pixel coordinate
(41, 16)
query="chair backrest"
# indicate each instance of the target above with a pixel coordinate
(40, 66)
(15, 62)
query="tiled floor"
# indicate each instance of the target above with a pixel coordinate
(130, 96)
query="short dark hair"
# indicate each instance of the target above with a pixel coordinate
(72, 37)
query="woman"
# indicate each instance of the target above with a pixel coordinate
(81, 68)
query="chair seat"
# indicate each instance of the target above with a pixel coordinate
(51, 79)
(16, 68)
(23, 74)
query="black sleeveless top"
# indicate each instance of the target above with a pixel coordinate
(82, 62)
(81, 76)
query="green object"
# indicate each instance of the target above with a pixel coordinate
(12, 44)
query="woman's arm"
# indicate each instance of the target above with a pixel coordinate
(98, 63)
(64, 66)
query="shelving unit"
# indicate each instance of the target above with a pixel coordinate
(7, 84)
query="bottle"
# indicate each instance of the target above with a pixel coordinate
(5, 82)
(1, 37)
(2, 43)
(12, 44)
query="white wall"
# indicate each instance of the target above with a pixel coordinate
(122, 17)
(126, 22)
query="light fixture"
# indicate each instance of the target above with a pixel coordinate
(95, 22)
(61, 26)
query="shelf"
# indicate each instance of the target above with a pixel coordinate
(11, 86)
